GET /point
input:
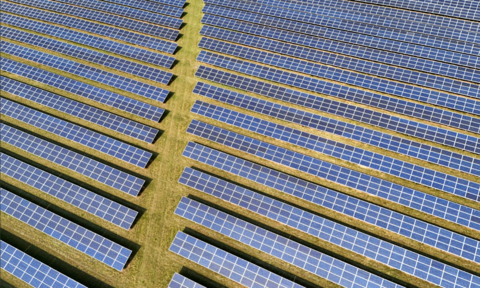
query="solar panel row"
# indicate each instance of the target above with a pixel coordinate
(355, 79)
(32, 271)
(81, 89)
(332, 59)
(75, 236)
(350, 131)
(74, 161)
(350, 239)
(128, 12)
(75, 133)
(352, 36)
(119, 21)
(93, 56)
(85, 71)
(336, 37)
(226, 264)
(179, 281)
(89, 40)
(77, 109)
(342, 22)
(177, 3)
(350, 154)
(404, 126)
(92, 27)
(461, 3)
(292, 252)
(152, 7)
(68, 192)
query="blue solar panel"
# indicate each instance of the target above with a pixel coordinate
(321, 123)
(77, 109)
(75, 133)
(128, 12)
(92, 27)
(350, 154)
(226, 264)
(110, 19)
(151, 6)
(179, 281)
(89, 72)
(71, 234)
(32, 271)
(81, 89)
(177, 3)
(331, 59)
(68, 192)
(130, 67)
(308, 21)
(74, 161)
(292, 252)
(335, 42)
(350, 239)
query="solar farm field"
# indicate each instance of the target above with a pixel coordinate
(240, 143)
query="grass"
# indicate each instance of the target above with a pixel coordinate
(153, 265)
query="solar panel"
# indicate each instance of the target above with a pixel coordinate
(372, 137)
(93, 56)
(68, 192)
(75, 133)
(152, 6)
(226, 264)
(351, 154)
(385, 71)
(292, 252)
(91, 27)
(334, 41)
(81, 89)
(177, 3)
(77, 109)
(179, 281)
(74, 161)
(75, 236)
(309, 21)
(85, 71)
(348, 238)
(32, 271)
(128, 12)
(110, 19)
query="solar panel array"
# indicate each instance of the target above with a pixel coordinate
(91, 27)
(85, 112)
(68, 192)
(75, 133)
(81, 89)
(32, 271)
(71, 234)
(151, 6)
(226, 264)
(179, 281)
(176, 3)
(74, 161)
(279, 247)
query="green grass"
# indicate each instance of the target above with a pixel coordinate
(153, 265)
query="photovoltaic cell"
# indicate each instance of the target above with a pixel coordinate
(179, 281)
(77, 109)
(92, 27)
(128, 12)
(74, 161)
(226, 264)
(68, 192)
(81, 53)
(75, 133)
(177, 3)
(152, 7)
(119, 21)
(350, 239)
(350, 154)
(75, 236)
(81, 89)
(32, 271)
(89, 72)
(372, 48)
(292, 252)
